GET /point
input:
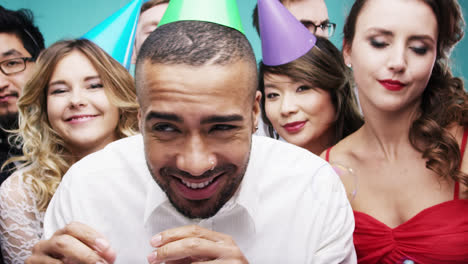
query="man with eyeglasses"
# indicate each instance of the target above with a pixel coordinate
(313, 14)
(20, 44)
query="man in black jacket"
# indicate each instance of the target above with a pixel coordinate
(20, 44)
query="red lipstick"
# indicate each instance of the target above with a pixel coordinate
(392, 85)
(294, 127)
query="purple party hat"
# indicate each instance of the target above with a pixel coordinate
(284, 38)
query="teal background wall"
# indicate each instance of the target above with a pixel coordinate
(60, 19)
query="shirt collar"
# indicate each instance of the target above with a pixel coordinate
(249, 189)
(155, 197)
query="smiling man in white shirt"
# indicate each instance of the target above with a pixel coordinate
(196, 186)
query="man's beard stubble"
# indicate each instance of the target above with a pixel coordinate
(8, 122)
(229, 188)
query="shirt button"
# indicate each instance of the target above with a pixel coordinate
(408, 261)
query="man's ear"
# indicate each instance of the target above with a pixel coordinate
(140, 123)
(256, 110)
(134, 55)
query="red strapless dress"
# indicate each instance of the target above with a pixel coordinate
(436, 235)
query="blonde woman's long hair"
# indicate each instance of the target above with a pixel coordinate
(45, 155)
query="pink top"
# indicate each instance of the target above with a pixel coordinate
(438, 234)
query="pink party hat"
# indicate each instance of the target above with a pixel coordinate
(284, 38)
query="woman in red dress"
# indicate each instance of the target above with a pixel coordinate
(411, 204)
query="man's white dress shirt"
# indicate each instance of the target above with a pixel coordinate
(290, 207)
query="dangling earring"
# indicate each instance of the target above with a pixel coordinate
(349, 65)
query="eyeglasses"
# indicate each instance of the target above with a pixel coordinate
(12, 66)
(327, 27)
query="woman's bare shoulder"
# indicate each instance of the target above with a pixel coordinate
(346, 149)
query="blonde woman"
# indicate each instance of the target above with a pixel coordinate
(78, 100)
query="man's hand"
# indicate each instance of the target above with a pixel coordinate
(194, 244)
(73, 244)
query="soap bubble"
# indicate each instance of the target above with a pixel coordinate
(348, 177)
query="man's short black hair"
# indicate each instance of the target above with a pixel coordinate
(21, 23)
(195, 43)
